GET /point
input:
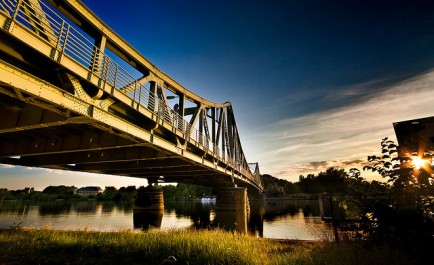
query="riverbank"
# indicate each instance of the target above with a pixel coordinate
(47, 246)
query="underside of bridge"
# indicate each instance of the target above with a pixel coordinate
(38, 135)
(60, 111)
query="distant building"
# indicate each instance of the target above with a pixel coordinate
(89, 191)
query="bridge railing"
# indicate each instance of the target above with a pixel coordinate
(49, 25)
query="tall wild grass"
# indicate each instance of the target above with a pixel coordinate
(47, 246)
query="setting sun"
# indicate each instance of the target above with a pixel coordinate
(418, 162)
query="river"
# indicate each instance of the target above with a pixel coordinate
(274, 219)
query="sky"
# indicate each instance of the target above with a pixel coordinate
(313, 84)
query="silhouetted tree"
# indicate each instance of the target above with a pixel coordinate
(108, 194)
(400, 214)
(412, 186)
(61, 192)
(332, 180)
(273, 187)
(5, 194)
(291, 188)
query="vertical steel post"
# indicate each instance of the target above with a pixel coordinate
(335, 225)
(98, 50)
(152, 93)
(17, 8)
(116, 76)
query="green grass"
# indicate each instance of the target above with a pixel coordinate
(47, 246)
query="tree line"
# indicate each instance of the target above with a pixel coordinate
(333, 180)
(124, 194)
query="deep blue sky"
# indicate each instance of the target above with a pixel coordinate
(279, 59)
(313, 83)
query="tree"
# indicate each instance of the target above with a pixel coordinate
(185, 191)
(332, 180)
(169, 192)
(273, 187)
(5, 194)
(61, 192)
(110, 192)
(404, 215)
(411, 184)
(291, 188)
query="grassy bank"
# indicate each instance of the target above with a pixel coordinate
(47, 246)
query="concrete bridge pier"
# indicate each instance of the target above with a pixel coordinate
(148, 207)
(232, 208)
(149, 198)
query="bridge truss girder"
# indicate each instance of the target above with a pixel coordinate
(70, 107)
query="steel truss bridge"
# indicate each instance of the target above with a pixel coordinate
(75, 96)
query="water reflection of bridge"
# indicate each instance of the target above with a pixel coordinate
(287, 220)
(205, 216)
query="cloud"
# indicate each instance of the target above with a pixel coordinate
(314, 167)
(46, 171)
(356, 162)
(6, 166)
(357, 90)
(318, 164)
(55, 171)
(344, 136)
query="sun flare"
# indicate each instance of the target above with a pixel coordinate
(418, 162)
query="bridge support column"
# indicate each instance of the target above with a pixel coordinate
(148, 208)
(149, 198)
(232, 208)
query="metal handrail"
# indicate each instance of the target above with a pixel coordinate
(69, 41)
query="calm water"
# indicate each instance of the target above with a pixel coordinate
(275, 219)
